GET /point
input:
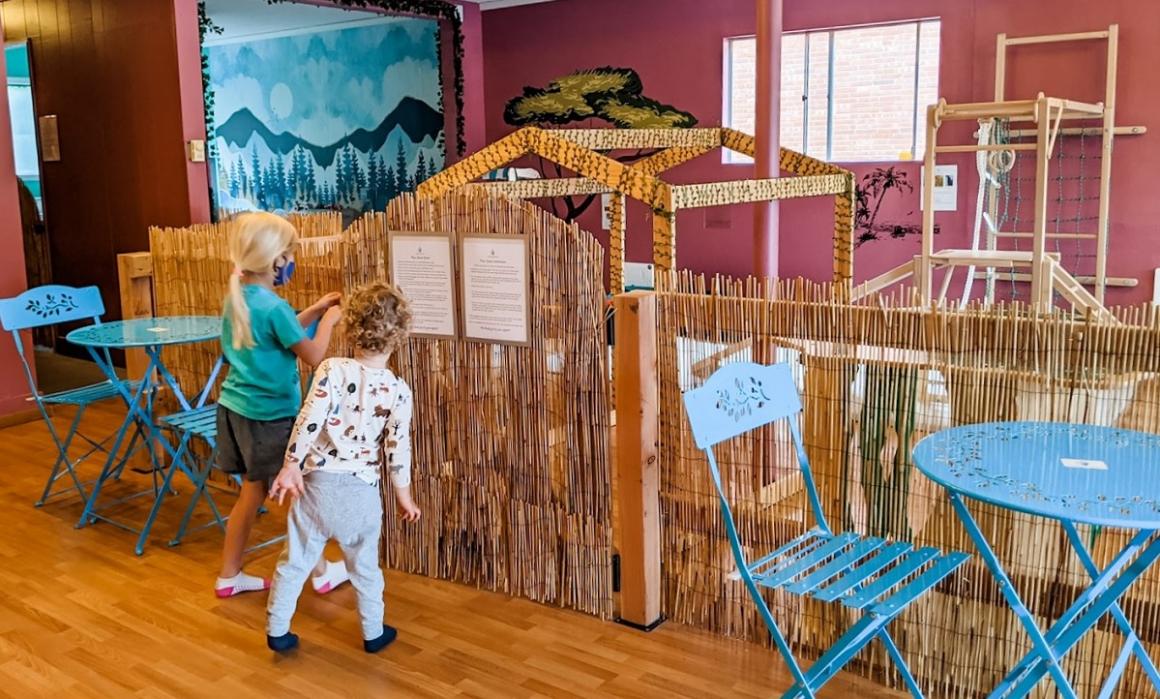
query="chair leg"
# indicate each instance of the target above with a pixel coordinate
(175, 464)
(843, 650)
(62, 457)
(900, 663)
(199, 492)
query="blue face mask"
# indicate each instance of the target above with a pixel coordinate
(282, 274)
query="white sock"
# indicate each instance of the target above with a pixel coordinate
(334, 575)
(242, 582)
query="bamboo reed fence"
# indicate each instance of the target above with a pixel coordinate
(510, 444)
(513, 442)
(875, 380)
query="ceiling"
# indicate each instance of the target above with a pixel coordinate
(254, 18)
(251, 18)
(500, 4)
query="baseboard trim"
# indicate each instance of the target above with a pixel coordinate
(19, 417)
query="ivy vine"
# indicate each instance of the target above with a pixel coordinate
(205, 27)
(439, 10)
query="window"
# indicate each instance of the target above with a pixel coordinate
(855, 94)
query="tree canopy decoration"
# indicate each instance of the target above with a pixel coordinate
(610, 95)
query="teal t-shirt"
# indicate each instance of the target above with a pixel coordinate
(262, 383)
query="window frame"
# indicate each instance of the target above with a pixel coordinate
(731, 158)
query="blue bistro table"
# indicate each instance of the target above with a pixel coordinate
(151, 335)
(1075, 474)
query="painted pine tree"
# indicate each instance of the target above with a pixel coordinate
(402, 179)
(421, 169)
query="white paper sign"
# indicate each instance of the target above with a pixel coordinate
(1085, 464)
(495, 289)
(605, 212)
(421, 268)
(946, 187)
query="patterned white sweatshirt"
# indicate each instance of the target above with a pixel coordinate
(354, 420)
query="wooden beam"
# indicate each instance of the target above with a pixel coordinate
(546, 188)
(617, 222)
(1055, 38)
(1023, 278)
(135, 278)
(637, 471)
(691, 196)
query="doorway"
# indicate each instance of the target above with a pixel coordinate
(54, 372)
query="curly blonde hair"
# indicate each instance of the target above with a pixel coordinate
(376, 318)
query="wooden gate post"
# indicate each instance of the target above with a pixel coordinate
(637, 471)
(135, 274)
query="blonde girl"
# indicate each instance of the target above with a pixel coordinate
(262, 339)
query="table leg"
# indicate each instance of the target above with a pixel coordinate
(1133, 640)
(134, 413)
(1103, 598)
(1100, 582)
(176, 455)
(1039, 643)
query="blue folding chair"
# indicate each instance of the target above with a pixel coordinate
(201, 423)
(51, 305)
(878, 577)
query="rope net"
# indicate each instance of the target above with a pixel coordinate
(1072, 203)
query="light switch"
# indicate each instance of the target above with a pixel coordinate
(196, 151)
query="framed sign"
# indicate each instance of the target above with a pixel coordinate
(422, 267)
(495, 272)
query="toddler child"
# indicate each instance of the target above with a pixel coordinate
(356, 419)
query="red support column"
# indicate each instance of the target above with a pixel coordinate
(765, 219)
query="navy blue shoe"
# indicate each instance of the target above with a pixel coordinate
(377, 644)
(283, 643)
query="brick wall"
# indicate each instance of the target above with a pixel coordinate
(873, 95)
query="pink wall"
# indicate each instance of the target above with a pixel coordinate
(676, 46)
(13, 387)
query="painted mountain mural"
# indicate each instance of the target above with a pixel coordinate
(343, 119)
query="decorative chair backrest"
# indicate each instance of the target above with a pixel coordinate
(50, 305)
(739, 398)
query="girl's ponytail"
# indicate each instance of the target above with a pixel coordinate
(257, 240)
(239, 312)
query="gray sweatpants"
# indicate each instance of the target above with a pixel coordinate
(335, 506)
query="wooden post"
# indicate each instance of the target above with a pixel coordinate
(636, 468)
(1039, 240)
(135, 273)
(766, 135)
(924, 275)
(1109, 129)
(616, 224)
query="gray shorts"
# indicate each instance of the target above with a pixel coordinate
(252, 449)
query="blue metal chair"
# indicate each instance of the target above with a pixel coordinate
(878, 577)
(51, 305)
(201, 423)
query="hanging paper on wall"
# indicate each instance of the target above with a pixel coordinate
(495, 288)
(946, 187)
(421, 266)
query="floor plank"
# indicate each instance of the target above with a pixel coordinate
(81, 616)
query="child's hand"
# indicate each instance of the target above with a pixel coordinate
(408, 510)
(332, 299)
(289, 481)
(332, 316)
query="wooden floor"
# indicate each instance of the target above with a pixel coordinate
(81, 616)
